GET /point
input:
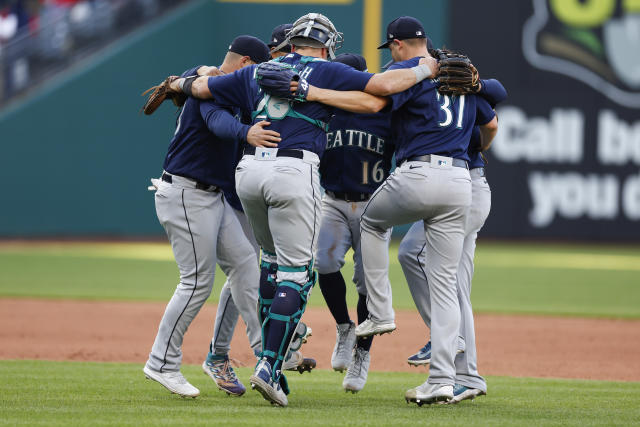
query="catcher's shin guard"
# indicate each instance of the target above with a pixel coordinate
(291, 310)
(268, 271)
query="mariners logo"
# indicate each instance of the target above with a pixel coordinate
(594, 41)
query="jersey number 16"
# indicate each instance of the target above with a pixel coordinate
(377, 173)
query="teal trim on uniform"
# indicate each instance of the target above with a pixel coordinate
(280, 317)
(291, 285)
(264, 251)
(292, 269)
(269, 353)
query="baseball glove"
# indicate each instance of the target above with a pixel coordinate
(457, 75)
(160, 93)
(276, 78)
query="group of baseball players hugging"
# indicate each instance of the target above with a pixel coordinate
(241, 188)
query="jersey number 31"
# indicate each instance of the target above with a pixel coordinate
(447, 104)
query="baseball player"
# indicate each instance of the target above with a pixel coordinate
(432, 183)
(279, 188)
(217, 363)
(356, 161)
(278, 36)
(202, 228)
(411, 255)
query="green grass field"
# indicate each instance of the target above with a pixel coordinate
(510, 278)
(75, 393)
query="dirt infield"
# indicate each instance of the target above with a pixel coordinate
(531, 346)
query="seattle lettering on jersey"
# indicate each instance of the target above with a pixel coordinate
(355, 138)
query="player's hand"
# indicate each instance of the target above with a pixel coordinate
(210, 71)
(432, 63)
(258, 136)
(174, 86)
(293, 86)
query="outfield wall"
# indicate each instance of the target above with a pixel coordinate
(77, 155)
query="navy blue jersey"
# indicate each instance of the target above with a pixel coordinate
(475, 158)
(426, 122)
(240, 89)
(204, 145)
(358, 154)
(493, 92)
(229, 190)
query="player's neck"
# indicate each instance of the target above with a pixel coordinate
(228, 68)
(412, 53)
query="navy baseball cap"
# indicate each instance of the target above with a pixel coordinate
(252, 47)
(429, 47)
(402, 28)
(351, 59)
(278, 35)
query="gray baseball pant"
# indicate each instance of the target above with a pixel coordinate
(439, 194)
(238, 299)
(281, 197)
(339, 231)
(411, 255)
(203, 231)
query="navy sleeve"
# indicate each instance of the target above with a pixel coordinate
(484, 112)
(338, 76)
(399, 99)
(493, 91)
(222, 123)
(191, 72)
(236, 89)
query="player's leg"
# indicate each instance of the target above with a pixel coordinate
(358, 370)
(252, 179)
(445, 194)
(411, 255)
(469, 383)
(250, 175)
(244, 290)
(191, 219)
(294, 218)
(380, 214)
(237, 259)
(334, 239)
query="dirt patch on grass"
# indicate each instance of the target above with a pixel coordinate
(532, 346)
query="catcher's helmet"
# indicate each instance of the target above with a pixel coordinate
(315, 30)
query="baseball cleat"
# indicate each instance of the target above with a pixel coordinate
(358, 370)
(461, 392)
(308, 364)
(296, 362)
(422, 357)
(300, 336)
(370, 327)
(262, 381)
(427, 394)
(219, 369)
(345, 342)
(172, 381)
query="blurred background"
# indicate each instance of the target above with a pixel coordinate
(77, 155)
